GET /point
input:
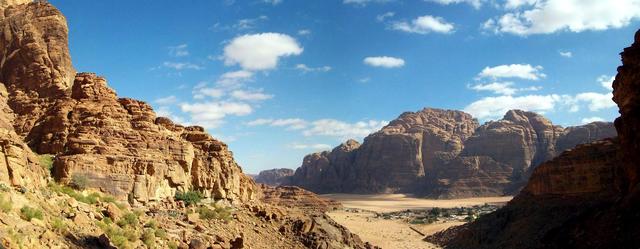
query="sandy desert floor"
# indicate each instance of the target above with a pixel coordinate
(395, 233)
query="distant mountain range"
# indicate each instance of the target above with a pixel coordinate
(442, 154)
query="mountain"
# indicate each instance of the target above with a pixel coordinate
(274, 177)
(588, 197)
(61, 130)
(444, 154)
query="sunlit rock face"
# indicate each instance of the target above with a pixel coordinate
(119, 144)
(444, 154)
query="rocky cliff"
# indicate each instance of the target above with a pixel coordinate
(588, 197)
(274, 177)
(444, 153)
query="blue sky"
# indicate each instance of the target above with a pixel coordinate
(278, 79)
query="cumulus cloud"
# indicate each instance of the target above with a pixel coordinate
(306, 69)
(424, 25)
(522, 71)
(606, 81)
(475, 3)
(261, 51)
(235, 78)
(503, 88)
(179, 51)
(337, 128)
(592, 119)
(211, 114)
(530, 17)
(495, 107)
(596, 101)
(299, 146)
(384, 61)
(250, 95)
(289, 123)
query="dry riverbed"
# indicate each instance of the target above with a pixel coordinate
(375, 218)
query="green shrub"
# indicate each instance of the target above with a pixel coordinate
(89, 199)
(161, 233)
(149, 238)
(28, 213)
(4, 187)
(129, 219)
(190, 198)
(151, 224)
(172, 245)
(46, 161)
(5, 205)
(218, 213)
(58, 225)
(79, 182)
(130, 234)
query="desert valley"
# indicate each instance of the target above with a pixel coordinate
(83, 167)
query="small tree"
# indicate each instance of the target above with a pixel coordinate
(79, 181)
(190, 197)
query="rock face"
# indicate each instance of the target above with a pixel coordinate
(588, 197)
(291, 196)
(274, 177)
(444, 154)
(117, 143)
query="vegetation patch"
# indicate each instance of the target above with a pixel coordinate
(29, 213)
(46, 161)
(129, 219)
(190, 198)
(79, 182)
(5, 204)
(91, 198)
(218, 213)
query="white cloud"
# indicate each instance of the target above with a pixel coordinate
(299, 146)
(211, 114)
(290, 123)
(181, 65)
(166, 100)
(592, 119)
(503, 88)
(566, 54)
(250, 95)
(495, 107)
(522, 71)
(306, 69)
(364, 80)
(179, 51)
(596, 101)
(606, 81)
(424, 25)
(336, 128)
(235, 78)
(304, 32)
(260, 51)
(384, 61)
(550, 16)
(475, 3)
(384, 16)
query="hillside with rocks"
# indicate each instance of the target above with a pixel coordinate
(588, 197)
(274, 177)
(81, 167)
(444, 154)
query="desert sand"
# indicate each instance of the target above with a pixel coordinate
(395, 233)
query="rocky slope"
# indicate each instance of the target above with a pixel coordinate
(588, 197)
(126, 164)
(274, 177)
(444, 153)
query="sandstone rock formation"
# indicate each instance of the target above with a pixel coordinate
(117, 143)
(588, 197)
(274, 177)
(291, 196)
(444, 154)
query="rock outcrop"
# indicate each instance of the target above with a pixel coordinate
(588, 197)
(117, 143)
(444, 154)
(274, 177)
(291, 196)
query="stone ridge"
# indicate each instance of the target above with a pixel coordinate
(274, 177)
(444, 154)
(588, 197)
(117, 143)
